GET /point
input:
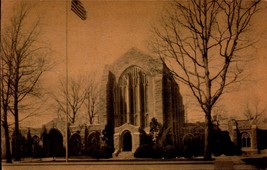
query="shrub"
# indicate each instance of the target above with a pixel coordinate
(106, 151)
(222, 144)
(188, 152)
(150, 151)
(100, 151)
(144, 151)
(93, 150)
(169, 152)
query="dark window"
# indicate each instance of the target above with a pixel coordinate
(245, 140)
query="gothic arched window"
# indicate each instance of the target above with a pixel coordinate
(133, 92)
(245, 138)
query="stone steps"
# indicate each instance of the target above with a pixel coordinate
(125, 155)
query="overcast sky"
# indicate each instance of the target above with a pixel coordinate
(114, 27)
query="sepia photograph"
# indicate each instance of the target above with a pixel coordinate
(133, 84)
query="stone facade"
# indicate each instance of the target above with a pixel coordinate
(244, 134)
(134, 89)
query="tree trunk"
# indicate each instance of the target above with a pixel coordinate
(16, 115)
(208, 136)
(91, 120)
(7, 140)
(17, 140)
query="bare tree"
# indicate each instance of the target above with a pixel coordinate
(6, 97)
(253, 111)
(201, 42)
(82, 97)
(91, 100)
(76, 97)
(24, 62)
(219, 115)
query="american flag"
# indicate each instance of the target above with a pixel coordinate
(78, 9)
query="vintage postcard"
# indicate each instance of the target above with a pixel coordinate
(144, 84)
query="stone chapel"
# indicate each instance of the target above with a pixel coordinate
(135, 89)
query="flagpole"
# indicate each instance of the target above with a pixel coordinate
(78, 9)
(67, 82)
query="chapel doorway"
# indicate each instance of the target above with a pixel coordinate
(127, 141)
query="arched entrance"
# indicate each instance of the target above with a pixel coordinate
(93, 139)
(188, 145)
(35, 146)
(55, 143)
(127, 141)
(75, 145)
(93, 144)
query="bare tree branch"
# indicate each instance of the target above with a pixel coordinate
(24, 62)
(253, 111)
(76, 97)
(199, 41)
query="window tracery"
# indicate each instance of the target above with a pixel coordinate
(133, 93)
(245, 139)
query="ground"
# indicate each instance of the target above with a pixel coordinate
(222, 162)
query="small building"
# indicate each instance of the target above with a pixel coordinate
(252, 139)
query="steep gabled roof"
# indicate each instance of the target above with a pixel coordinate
(133, 57)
